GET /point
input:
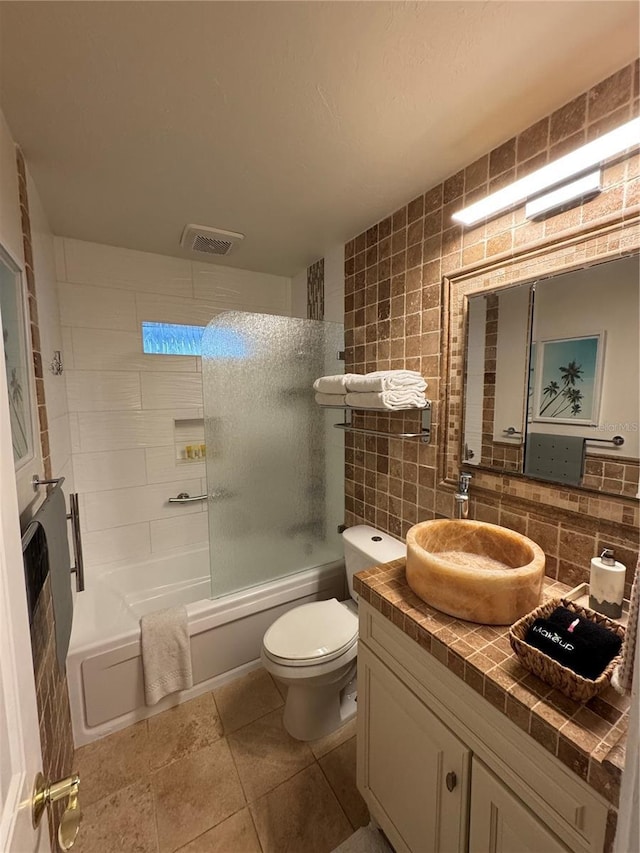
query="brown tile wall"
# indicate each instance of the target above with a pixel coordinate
(397, 316)
(56, 736)
(315, 291)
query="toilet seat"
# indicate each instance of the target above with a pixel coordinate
(311, 634)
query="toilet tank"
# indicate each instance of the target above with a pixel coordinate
(364, 547)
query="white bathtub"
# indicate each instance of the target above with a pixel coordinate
(104, 665)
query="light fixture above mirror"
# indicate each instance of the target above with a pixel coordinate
(605, 148)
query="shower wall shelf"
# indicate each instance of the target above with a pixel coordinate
(425, 414)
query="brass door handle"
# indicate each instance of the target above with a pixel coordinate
(452, 780)
(45, 793)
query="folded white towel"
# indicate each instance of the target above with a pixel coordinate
(166, 653)
(332, 384)
(330, 399)
(386, 380)
(387, 400)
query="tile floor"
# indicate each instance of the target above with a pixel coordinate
(219, 774)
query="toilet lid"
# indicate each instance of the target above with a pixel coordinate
(311, 633)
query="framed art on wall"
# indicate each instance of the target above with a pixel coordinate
(16, 354)
(568, 380)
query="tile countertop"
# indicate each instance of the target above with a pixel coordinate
(582, 737)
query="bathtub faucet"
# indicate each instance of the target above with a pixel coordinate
(462, 496)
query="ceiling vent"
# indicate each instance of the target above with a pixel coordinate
(209, 241)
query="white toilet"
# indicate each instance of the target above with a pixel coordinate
(312, 649)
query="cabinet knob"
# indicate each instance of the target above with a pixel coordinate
(452, 780)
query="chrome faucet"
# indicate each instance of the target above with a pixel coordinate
(462, 496)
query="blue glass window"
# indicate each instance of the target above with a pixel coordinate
(171, 339)
(176, 339)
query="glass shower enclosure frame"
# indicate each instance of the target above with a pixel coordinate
(275, 465)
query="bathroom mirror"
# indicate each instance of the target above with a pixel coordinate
(551, 378)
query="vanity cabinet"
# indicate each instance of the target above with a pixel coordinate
(500, 823)
(443, 771)
(417, 771)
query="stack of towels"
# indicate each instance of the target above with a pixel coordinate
(382, 389)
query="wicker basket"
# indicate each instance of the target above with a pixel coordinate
(550, 671)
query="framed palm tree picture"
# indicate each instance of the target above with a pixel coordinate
(568, 380)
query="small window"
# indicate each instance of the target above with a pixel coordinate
(176, 339)
(171, 339)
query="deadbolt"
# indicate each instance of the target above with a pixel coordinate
(45, 793)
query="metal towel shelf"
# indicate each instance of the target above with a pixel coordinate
(424, 435)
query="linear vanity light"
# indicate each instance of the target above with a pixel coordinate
(607, 146)
(585, 187)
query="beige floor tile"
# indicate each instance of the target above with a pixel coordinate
(121, 822)
(266, 755)
(339, 766)
(194, 794)
(183, 730)
(300, 816)
(112, 763)
(325, 744)
(282, 689)
(246, 699)
(236, 834)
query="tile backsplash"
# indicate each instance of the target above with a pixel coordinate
(398, 315)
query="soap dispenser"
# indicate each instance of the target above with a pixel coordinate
(606, 584)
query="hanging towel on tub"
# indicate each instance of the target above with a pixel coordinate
(166, 653)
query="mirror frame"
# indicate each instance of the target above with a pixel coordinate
(605, 241)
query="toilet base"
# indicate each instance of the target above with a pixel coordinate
(312, 713)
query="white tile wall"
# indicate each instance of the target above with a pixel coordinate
(179, 532)
(116, 545)
(96, 472)
(124, 405)
(166, 390)
(120, 507)
(111, 266)
(235, 289)
(103, 391)
(51, 339)
(169, 309)
(164, 467)
(101, 349)
(120, 430)
(97, 307)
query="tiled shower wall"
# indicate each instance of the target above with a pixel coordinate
(395, 317)
(127, 410)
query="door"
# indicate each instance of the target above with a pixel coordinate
(412, 771)
(501, 823)
(20, 755)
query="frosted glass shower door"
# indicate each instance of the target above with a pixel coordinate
(275, 465)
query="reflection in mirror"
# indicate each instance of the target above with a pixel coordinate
(551, 377)
(584, 378)
(496, 366)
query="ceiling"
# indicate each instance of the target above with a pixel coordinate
(295, 123)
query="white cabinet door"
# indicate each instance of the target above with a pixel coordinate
(501, 823)
(412, 771)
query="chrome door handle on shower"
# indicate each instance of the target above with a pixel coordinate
(185, 498)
